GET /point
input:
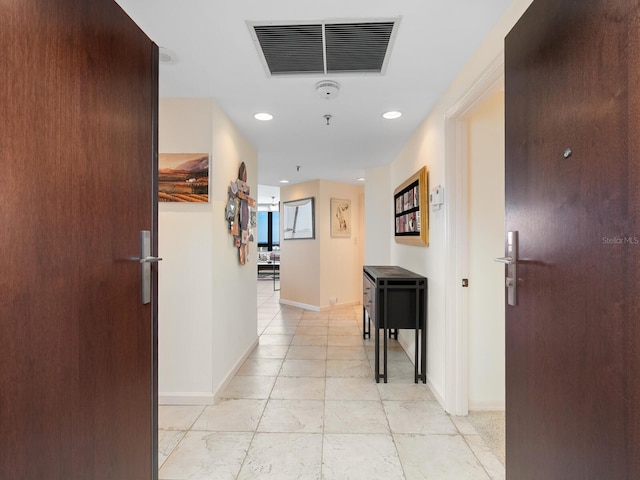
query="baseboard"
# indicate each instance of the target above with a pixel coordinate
(313, 308)
(326, 308)
(409, 349)
(234, 370)
(186, 398)
(411, 353)
(436, 393)
(204, 398)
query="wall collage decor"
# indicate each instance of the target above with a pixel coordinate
(411, 214)
(240, 212)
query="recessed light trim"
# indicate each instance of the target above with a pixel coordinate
(392, 115)
(284, 181)
(263, 116)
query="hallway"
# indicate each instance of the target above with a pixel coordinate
(305, 406)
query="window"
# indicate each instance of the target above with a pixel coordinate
(268, 229)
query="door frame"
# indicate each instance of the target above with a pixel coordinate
(488, 82)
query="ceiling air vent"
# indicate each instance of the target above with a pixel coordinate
(325, 48)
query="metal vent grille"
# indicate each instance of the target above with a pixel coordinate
(325, 48)
(292, 48)
(357, 47)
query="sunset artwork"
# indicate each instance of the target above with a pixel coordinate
(183, 177)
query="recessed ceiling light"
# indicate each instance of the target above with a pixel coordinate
(392, 115)
(360, 179)
(284, 181)
(264, 117)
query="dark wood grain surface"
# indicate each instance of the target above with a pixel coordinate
(573, 342)
(77, 93)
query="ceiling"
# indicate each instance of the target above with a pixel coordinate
(217, 57)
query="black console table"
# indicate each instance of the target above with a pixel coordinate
(395, 298)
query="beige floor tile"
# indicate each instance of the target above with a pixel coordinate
(307, 352)
(353, 388)
(270, 351)
(346, 353)
(275, 339)
(167, 442)
(292, 416)
(345, 341)
(303, 330)
(418, 392)
(314, 322)
(418, 417)
(438, 457)
(299, 388)
(283, 456)
(349, 368)
(261, 366)
(344, 330)
(354, 416)
(178, 417)
(233, 415)
(206, 455)
(318, 340)
(303, 368)
(491, 463)
(360, 457)
(305, 405)
(308, 314)
(249, 387)
(286, 321)
(280, 330)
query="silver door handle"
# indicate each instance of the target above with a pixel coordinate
(150, 260)
(511, 261)
(146, 259)
(505, 260)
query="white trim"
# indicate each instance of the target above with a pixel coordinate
(234, 370)
(410, 351)
(456, 211)
(205, 398)
(185, 398)
(326, 308)
(313, 308)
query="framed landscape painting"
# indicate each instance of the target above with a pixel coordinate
(183, 177)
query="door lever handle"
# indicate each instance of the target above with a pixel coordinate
(505, 260)
(511, 261)
(150, 260)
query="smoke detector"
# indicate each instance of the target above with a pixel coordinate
(328, 89)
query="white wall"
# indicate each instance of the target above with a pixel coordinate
(207, 308)
(379, 233)
(312, 272)
(427, 147)
(486, 242)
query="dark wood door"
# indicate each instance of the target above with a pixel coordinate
(573, 341)
(78, 102)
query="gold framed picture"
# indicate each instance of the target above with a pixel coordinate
(411, 215)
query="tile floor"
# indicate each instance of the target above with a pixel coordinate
(305, 405)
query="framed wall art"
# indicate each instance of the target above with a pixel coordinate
(183, 177)
(340, 217)
(411, 215)
(298, 219)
